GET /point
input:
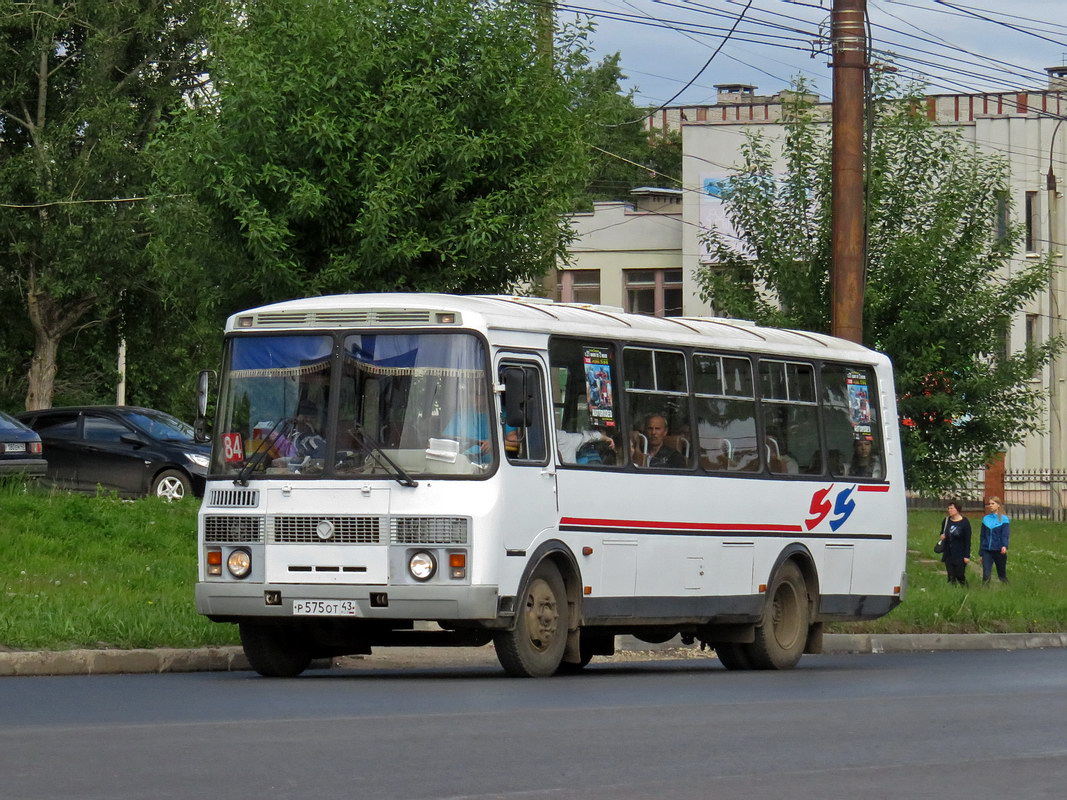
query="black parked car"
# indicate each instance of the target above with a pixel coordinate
(20, 449)
(134, 451)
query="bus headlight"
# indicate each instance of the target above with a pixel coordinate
(239, 563)
(422, 566)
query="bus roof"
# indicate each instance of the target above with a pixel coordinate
(534, 315)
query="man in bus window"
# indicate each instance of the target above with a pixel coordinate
(659, 455)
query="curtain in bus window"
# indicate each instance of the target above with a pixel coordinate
(851, 421)
(399, 391)
(274, 404)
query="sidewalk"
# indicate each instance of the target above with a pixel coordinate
(104, 662)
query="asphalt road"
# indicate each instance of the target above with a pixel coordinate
(945, 725)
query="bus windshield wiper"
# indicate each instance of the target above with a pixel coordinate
(259, 456)
(376, 451)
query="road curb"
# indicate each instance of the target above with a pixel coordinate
(227, 659)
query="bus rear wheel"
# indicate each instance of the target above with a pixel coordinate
(782, 632)
(534, 648)
(733, 655)
(274, 651)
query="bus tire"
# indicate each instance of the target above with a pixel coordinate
(783, 630)
(274, 651)
(534, 648)
(732, 655)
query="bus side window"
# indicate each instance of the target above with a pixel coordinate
(790, 417)
(851, 422)
(585, 403)
(523, 420)
(726, 413)
(657, 394)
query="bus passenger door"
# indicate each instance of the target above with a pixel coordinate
(527, 476)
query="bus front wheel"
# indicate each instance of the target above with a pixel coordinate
(783, 630)
(274, 651)
(534, 648)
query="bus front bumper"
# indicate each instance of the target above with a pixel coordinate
(229, 601)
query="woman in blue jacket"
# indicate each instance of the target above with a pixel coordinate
(993, 542)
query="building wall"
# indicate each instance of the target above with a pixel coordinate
(616, 237)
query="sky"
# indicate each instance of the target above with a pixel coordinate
(953, 46)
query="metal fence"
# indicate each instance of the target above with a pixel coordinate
(1028, 494)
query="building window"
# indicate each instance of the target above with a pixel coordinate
(1003, 217)
(1033, 332)
(1031, 222)
(579, 286)
(655, 292)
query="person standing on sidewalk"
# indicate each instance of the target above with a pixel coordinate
(993, 542)
(956, 536)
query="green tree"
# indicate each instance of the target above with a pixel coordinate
(371, 145)
(83, 84)
(939, 294)
(623, 154)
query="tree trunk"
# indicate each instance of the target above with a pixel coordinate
(42, 374)
(51, 319)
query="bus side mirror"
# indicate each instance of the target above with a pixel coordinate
(203, 383)
(518, 405)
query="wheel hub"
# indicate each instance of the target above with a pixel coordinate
(542, 615)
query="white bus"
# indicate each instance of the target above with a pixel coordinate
(419, 469)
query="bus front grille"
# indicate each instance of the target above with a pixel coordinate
(428, 530)
(324, 530)
(233, 530)
(233, 498)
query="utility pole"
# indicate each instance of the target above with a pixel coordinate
(1055, 367)
(848, 41)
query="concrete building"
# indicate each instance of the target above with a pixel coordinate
(629, 254)
(1023, 127)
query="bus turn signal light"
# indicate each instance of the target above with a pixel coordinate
(457, 563)
(214, 562)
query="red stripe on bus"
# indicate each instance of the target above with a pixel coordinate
(705, 526)
(872, 488)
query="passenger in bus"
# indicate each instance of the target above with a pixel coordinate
(864, 464)
(471, 427)
(658, 455)
(568, 443)
(305, 435)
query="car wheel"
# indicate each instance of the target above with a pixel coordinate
(171, 484)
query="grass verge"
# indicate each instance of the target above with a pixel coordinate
(1034, 601)
(83, 571)
(97, 571)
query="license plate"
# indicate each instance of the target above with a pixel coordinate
(326, 608)
(14, 447)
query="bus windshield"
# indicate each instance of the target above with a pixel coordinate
(358, 405)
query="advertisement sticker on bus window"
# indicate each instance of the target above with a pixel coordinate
(859, 399)
(598, 386)
(233, 448)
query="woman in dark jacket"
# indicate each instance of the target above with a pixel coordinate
(956, 538)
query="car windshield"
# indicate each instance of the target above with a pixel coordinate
(161, 426)
(360, 406)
